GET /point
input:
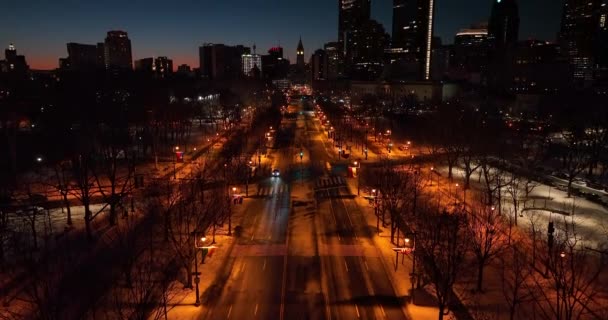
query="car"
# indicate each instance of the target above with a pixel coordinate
(276, 173)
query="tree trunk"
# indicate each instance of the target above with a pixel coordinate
(67, 207)
(87, 222)
(480, 268)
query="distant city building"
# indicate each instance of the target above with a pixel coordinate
(367, 57)
(160, 67)
(334, 60)
(83, 57)
(319, 65)
(470, 54)
(351, 16)
(117, 51)
(252, 64)
(601, 46)
(144, 65)
(411, 45)
(13, 63)
(184, 68)
(300, 55)
(539, 68)
(577, 36)
(219, 61)
(503, 34)
(274, 65)
(163, 67)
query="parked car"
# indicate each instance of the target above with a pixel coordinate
(276, 173)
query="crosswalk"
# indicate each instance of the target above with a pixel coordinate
(271, 189)
(330, 182)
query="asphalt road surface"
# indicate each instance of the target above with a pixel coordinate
(297, 259)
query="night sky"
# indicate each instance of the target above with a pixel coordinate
(41, 28)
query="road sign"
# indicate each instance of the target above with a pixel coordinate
(403, 250)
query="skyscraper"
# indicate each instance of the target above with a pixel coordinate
(577, 36)
(367, 57)
(319, 64)
(334, 60)
(503, 27)
(503, 33)
(117, 50)
(413, 33)
(601, 45)
(351, 15)
(300, 55)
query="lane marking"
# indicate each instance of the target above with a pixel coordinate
(349, 220)
(382, 309)
(346, 265)
(229, 312)
(264, 267)
(243, 267)
(357, 309)
(366, 267)
(256, 309)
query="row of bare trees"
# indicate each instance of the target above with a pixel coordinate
(539, 280)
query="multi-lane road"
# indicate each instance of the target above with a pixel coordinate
(298, 258)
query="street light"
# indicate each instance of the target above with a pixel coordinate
(357, 166)
(197, 278)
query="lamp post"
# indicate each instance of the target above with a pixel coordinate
(375, 195)
(357, 166)
(410, 244)
(174, 162)
(247, 178)
(197, 278)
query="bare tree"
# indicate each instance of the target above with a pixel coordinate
(441, 243)
(572, 286)
(487, 237)
(516, 279)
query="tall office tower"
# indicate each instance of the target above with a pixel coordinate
(351, 15)
(503, 27)
(117, 51)
(367, 58)
(577, 36)
(601, 45)
(503, 33)
(413, 34)
(300, 55)
(334, 60)
(219, 61)
(471, 52)
(319, 65)
(83, 57)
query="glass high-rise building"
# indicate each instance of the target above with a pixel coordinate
(412, 37)
(352, 14)
(578, 34)
(503, 27)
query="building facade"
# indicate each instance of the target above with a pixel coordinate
(319, 65)
(412, 40)
(117, 51)
(219, 61)
(351, 16)
(577, 36)
(503, 34)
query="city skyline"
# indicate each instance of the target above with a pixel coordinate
(40, 31)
